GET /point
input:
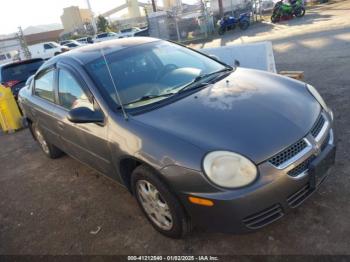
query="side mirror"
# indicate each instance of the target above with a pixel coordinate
(85, 115)
(237, 63)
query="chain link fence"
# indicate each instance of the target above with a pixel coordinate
(183, 25)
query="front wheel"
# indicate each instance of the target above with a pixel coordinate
(159, 205)
(299, 12)
(222, 30)
(244, 25)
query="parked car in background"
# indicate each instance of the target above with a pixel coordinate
(14, 75)
(129, 32)
(196, 141)
(85, 40)
(142, 32)
(105, 36)
(73, 44)
(64, 42)
(46, 50)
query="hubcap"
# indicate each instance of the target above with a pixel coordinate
(41, 141)
(155, 206)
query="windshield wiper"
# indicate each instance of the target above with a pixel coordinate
(192, 85)
(148, 97)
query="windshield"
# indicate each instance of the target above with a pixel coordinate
(151, 71)
(20, 72)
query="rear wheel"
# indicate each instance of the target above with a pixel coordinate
(275, 18)
(300, 12)
(159, 205)
(49, 149)
(244, 25)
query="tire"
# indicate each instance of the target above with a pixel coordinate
(151, 192)
(244, 25)
(300, 12)
(221, 30)
(275, 18)
(49, 149)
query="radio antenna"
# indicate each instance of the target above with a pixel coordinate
(114, 85)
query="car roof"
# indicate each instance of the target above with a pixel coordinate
(86, 54)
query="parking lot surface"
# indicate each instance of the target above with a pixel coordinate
(57, 206)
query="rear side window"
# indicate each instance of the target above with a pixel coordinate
(70, 93)
(48, 46)
(44, 86)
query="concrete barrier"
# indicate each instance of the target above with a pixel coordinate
(254, 55)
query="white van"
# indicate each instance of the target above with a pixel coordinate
(6, 57)
(46, 50)
(85, 40)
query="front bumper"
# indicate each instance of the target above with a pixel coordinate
(272, 196)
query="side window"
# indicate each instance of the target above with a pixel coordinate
(44, 86)
(47, 46)
(70, 93)
(102, 35)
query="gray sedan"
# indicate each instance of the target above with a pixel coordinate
(197, 142)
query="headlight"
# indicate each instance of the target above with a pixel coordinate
(317, 96)
(228, 169)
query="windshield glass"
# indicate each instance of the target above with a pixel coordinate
(150, 71)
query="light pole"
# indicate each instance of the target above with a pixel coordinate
(154, 6)
(221, 8)
(93, 17)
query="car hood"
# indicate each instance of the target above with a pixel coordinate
(254, 113)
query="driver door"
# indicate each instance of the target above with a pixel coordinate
(86, 142)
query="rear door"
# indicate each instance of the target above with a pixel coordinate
(87, 142)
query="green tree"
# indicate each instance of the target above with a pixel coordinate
(102, 24)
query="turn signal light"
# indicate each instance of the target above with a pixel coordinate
(201, 201)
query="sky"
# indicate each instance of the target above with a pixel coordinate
(26, 13)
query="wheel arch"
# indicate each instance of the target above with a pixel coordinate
(30, 126)
(127, 165)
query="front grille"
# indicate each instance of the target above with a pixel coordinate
(302, 167)
(288, 153)
(264, 217)
(298, 197)
(316, 129)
